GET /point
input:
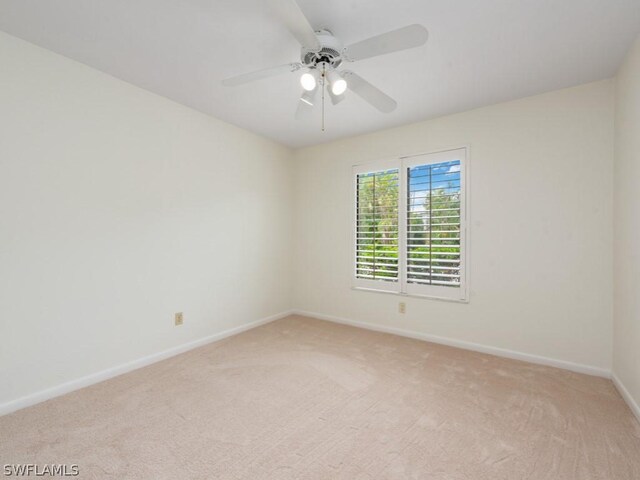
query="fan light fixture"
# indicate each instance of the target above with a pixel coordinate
(338, 84)
(308, 80)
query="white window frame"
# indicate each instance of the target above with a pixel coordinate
(401, 286)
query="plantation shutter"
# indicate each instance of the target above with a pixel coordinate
(434, 224)
(410, 225)
(377, 228)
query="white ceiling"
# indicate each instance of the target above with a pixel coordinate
(478, 53)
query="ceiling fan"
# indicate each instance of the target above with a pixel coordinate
(321, 55)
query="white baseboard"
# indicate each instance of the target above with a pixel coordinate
(97, 377)
(635, 408)
(500, 352)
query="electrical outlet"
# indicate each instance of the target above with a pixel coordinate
(402, 307)
(179, 319)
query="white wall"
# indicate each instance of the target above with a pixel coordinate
(626, 350)
(119, 208)
(541, 179)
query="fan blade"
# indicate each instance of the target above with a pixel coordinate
(305, 104)
(295, 21)
(260, 74)
(394, 41)
(369, 93)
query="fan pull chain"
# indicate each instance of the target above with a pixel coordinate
(324, 77)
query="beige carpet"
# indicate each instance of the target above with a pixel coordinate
(306, 399)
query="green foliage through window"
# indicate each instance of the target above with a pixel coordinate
(432, 229)
(377, 225)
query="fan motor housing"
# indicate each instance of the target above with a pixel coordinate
(329, 53)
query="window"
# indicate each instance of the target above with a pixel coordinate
(410, 225)
(377, 228)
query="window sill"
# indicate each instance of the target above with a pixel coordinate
(412, 295)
